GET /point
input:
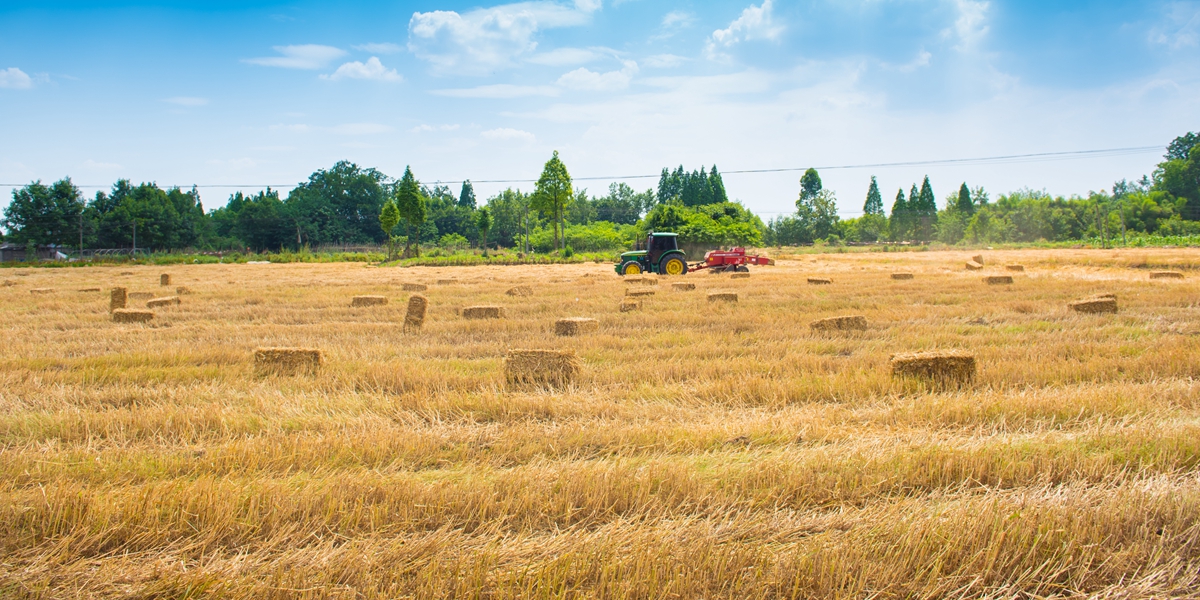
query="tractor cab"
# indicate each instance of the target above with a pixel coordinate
(659, 254)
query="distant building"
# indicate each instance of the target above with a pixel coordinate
(16, 252)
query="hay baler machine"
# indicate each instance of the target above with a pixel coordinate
(662, 255)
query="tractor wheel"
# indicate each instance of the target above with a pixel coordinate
(631, 268)
(743, 269)
(672, 265)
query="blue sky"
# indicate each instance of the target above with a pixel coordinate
(263, 92)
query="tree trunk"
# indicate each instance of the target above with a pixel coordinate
(417, 241)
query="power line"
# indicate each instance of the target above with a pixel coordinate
(985, 160)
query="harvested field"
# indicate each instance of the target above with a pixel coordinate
(182, 291)
(369, 301)
(575, 326)
(698, 451)
(740, 276)
(683, 286)
(641, 280)
(521, 291)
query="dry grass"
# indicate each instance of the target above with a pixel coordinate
(699, 451)
(683, 286)
(740, 276)
(521, 291)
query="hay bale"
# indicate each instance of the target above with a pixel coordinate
(182, 291)
(131, 315)
(1015, 268)
(998, 279)
(125, 273)
(140, 295)
(541, 367)
(447, 281)
(1095, 305)
(520, 290)
(939, 366)
(722, 297)
(974, 266)
(575, 326)
(286, 361)
(977, 258)
(740, 276)
(846, 323)
(902, 275)
(368, 301)
(164, 301)
(40, 291)
(683, 286)
(415, 317)
(164, 279)
(483, 312)
(116, 299)
(1166, 275)
(9, 282)
(1109, 296)
(414, 287)
(819, 281)
(91, 289)
(637, 293)
(641, 280)
(629, 304)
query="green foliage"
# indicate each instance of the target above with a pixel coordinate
(413, 210)
(900, 221)
(874, 203)
(810, 184)
(697, 188)
(725, 224)
(1179, 179)
(962, 203)
(553, 193)
(339, 206)
(389, 217)
(453, 241)
(42, 215)
(466, 198)
(483, 222)
(1180, 148)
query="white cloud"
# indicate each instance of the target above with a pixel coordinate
(485, 39)
(186, 101)
(425, 128)
(663, 61)
(1180, 26)
(971, 25)
(372, 69)
(500, 90)
(755, 23)
(921, 60)
(561, 57)
(507, 134)
(584, 79)
(678, 18)
(383, 48)
(14, 78)
(303, 56)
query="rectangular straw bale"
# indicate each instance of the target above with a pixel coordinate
(845, 323)
(902, 275)
(977, 258)
(946, 365)
(1110, 296)
(414, 287)
(369, 301)
(41, 291)
(1166, 275)
(520, 290)
(998, 279)
(643, 280)
(164, 279)
(483, 312)
(286, 361)
(116, 299)
(974, 266)
(91, 289)
(1094, 305)
(683, 286)
(740, 276)
(140, 295)
(629, 304)
(575, 326)
(415, 317)
(182, 291)
(164, 301)
(447, 281)
(819, 281)
(722, 297)
(636, 293)
(1017, 268)
(541, 367)
(131, 315)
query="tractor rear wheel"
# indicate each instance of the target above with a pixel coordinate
(672, 265)
(632, 267)
(743, 269)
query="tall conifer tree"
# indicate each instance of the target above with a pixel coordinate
(718, 186)
(898, 223)
(964, 205)
(874, 204)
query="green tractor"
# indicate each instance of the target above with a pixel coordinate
(661, 255)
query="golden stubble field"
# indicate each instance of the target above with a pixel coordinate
(705, 451)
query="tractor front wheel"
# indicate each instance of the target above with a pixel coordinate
(672, 265)
(631, 268)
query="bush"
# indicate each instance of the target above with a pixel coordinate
(453, 241)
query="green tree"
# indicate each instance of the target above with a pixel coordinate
(413, 210)
(874, 203)
(466, 198)
(483, 222)
(338, 206)
(925, 212)
(963, 204)
(1179, 179)
(1180, 148)
(389, 218)
(42, 215)
(718, 186)
(898, 223)
(810, 184)
(553, 193)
